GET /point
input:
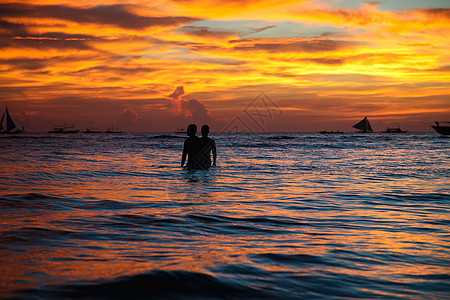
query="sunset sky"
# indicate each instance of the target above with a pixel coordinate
(160, 65)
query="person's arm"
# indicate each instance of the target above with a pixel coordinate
(214, 152)
(183, 156)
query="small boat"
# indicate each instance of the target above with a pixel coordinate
(394, 130)
(9, 127)
(113, 129)
(88, 130)
(180, 130)
(63, 129)
(330, 132)
(364, 126)
(442, 129)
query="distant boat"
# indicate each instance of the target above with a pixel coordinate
(180, 130)
(113, 129)
(63, 129)
(442, 129)
(330, 132)
(91, 131)
(10, 126)
(394, 130)
(364, 126)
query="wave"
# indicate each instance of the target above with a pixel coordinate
(156, 284)
(180, 284)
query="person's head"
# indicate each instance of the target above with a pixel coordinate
(191, 130)
(205, 130)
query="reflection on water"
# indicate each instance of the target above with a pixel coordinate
(304, 216)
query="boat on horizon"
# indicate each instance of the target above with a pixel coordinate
(91, 130)
(180, 130)
(442, 129)
(330, 132)
(363, 126)
(394, 130)
(63, 129)
(113, 129)
(9, 127)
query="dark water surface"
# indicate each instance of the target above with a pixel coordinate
(292, 216)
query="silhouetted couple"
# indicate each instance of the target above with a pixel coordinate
(198, 150)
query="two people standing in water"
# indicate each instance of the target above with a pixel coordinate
(198, 150)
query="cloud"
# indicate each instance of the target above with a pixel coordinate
(116, 15)
(437, 12)
(131, 121)
(12, 28)
(189, 111)
(177, 93)
(120, 71)
(23, 63)
(197, 111)
(129, 115)
(206, 32)
(46, 42)
(292, 45)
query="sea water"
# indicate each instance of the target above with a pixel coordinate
(283, 215)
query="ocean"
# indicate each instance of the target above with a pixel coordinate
(282, 216)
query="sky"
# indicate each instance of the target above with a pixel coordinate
(269, 65)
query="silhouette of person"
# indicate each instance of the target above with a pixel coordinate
(191, 149)
(208, 146)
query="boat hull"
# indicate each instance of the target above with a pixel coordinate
(394, 130)
(444, 130)
(63, 131)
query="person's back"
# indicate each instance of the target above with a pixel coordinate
(191, 149)
(208, 146)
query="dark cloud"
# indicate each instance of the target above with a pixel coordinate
(202, 47)
(12, 28)
(326, 61)
(438, 12)
(131, 121)
(129, 115)
(24, 63)
(261, 29)
(441, 69)
(45, 43)
(123, 71)
(205, 31)
(116, 15)
(56, 40)
(197, 111)
(307, 45)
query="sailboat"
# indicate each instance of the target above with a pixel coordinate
(363, 125)
(63, 129)
(113, 129)
(442, 127)
(9, 126)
